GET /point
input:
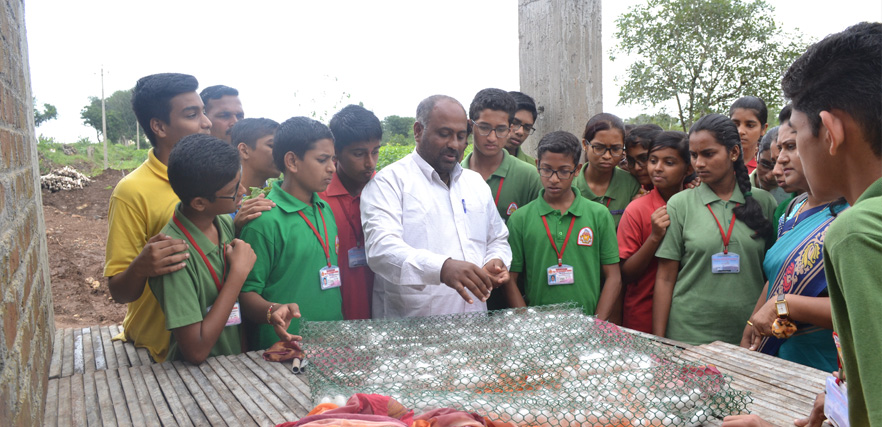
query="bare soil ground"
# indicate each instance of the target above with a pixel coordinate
(76, 229)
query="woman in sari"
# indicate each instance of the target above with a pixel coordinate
(792, 318)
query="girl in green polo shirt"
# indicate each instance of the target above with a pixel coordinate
(710, 262)
(601, 181)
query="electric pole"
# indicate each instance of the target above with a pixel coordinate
(103, 119)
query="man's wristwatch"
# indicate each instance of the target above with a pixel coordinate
(781, 307)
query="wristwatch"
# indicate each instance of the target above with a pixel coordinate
(781, 307)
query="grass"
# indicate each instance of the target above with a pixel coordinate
(119, 157)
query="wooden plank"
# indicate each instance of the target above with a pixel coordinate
(50, 413)
(223, 394)
(288, 380)
(64, 418)
(244, 378)
(211, 394)
(208, 407)
(131, 396)
(122, 359)
(77, 401)
(143, 356)
(254, 411)
(190, 405)
(171, 397)
(90, 395)
(145, 400)
(98, 349)
(802, 376)
(105, 404)
(88, 355)
(78, 356)
(57, 351)
(120, 405)
(109, 354)
(294, 410)
(68, 356)
(129, 347)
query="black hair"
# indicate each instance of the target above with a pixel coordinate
(675, 139)
(524, 102)
(297, 135)
(841, 72)
(425, 107)
(726, 133)
(216, 92)
(642, 135)
(752, 103)
(784, 115)
(200, 165)
(354, 123)
(250, 130)
(561, 142)
(768, 139)
(493, 99)
(602, 121)
(151, 98)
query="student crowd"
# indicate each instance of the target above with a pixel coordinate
(771, 239)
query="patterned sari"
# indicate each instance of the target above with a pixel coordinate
(795, 265)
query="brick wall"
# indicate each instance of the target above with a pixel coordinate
(26, 322)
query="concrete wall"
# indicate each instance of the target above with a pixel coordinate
(26, 321)
(560, 63)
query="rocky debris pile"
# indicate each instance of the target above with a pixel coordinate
(66, 178)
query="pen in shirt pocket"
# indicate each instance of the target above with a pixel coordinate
(463, 207)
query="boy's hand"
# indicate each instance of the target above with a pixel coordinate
(161, 255)
(497, 271)
(250, 209)
(745, 421)
(660, 222)
(281, 319)
(240, 256)
(462, 275)
(692, 184)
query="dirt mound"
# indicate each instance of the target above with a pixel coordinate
(76, 230)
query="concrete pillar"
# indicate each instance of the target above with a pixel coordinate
(26, 321)
(560, 63)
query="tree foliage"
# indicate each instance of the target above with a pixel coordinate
(121, 120)
(663, 119)
(49, 113)
(398, 130)
(703, 54)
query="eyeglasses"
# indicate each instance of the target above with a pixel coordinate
(766, 164)
(484, 129)
(516, 124)
(562, 174)
(235, 191)
(639, 160)
(600, 149)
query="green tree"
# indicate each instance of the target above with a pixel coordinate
(121, 120)
(663, 119)
(703, 54)
(397, 125)
(49, 113)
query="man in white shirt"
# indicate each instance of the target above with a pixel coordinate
(432, 233)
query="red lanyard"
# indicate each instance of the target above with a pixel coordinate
(325, 242)
(564, 247)
(728, 236)
(498, 190)
(217, 281)
(607, 201)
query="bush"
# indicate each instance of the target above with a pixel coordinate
(120, 157)
(392, 153)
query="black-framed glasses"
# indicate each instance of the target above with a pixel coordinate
(562, 173)
(766, 164)
(600, 149)
(516, 124)
(484, 129)
(235, 191)
(640, 160)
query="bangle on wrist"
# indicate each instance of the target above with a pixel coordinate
(269, 313)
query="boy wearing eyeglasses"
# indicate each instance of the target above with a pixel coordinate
(562, 243)
(522, 126)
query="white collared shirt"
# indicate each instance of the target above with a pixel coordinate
(413, 223)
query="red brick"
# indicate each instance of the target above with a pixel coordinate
(13, 261)
(26, 338)
(10, 323)
(2, 197)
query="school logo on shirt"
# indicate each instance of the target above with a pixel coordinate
(337, 245)
(511, 208)
(586, 237)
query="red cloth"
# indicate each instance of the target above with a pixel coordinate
(634, 229)
(358, 282)
(283, 351)
(448, 417)
(751, 165)
(365, 407)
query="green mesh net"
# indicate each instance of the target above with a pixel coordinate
(540, 366)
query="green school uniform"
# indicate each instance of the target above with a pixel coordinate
(289, 257)
(592, 243)
(622, 188)
(520, 184)
(706, 307)
(853, 264)
(186, 294)
(524, 157)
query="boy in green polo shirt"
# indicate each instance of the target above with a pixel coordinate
(563, 243)
(199, 301)
(296, 243)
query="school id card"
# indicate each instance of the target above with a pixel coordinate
(722, 263)
(560, 275)
(330, 277)
(235, 315)
(357, 257)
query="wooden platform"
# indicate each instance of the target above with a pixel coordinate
(128, 390)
